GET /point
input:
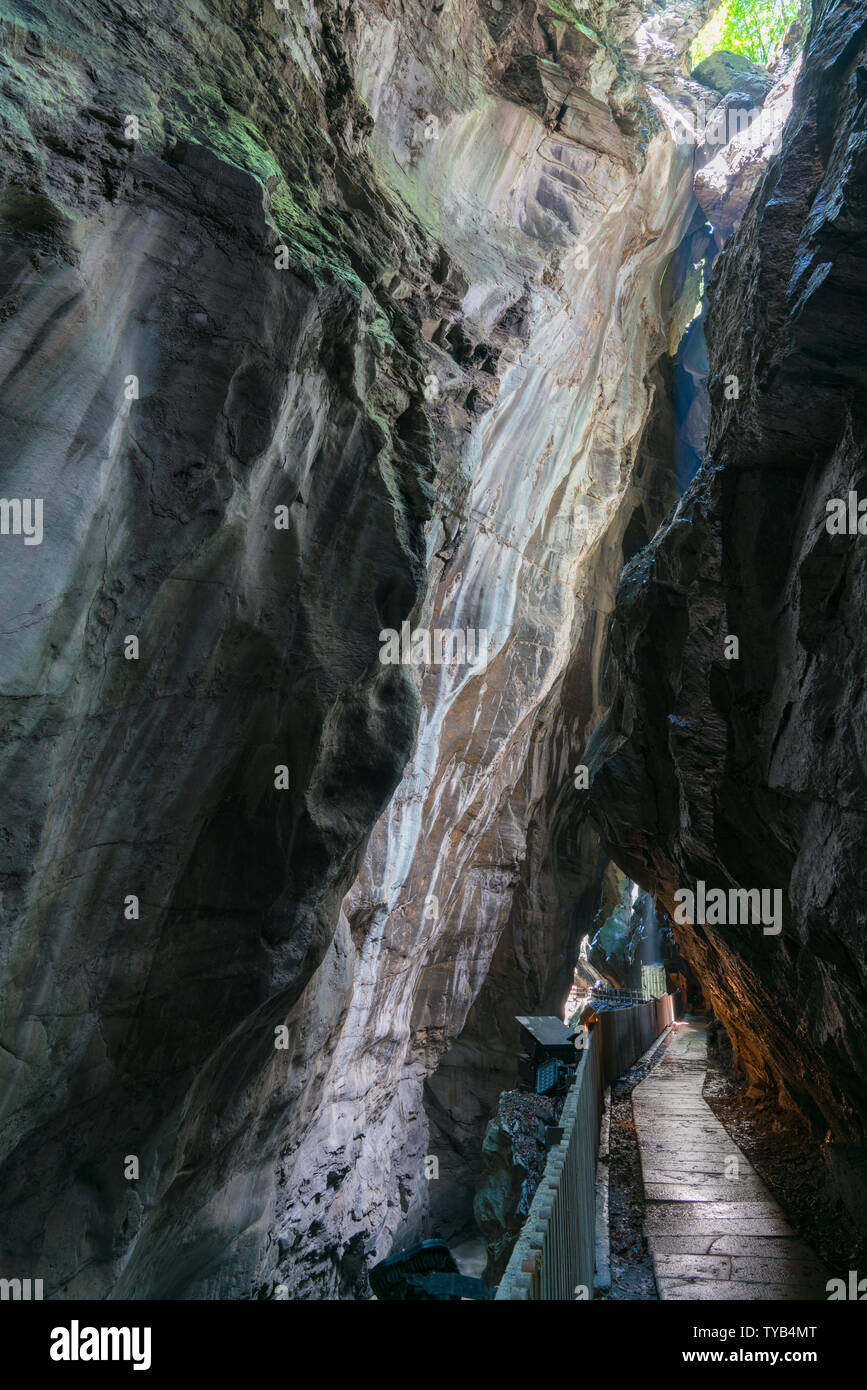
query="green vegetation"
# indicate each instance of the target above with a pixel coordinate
(749, 27)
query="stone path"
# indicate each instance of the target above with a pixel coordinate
(710, 1236)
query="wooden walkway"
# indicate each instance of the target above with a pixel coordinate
(711, 1236)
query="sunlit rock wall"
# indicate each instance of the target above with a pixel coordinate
(559, 221)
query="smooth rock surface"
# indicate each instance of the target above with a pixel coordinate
(469, 902)
(739, 142)
(418, 277)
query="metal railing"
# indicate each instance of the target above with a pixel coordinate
(622, 998)
(556, 1248)
(627, 1033)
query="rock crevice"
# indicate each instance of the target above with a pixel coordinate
(749, 772)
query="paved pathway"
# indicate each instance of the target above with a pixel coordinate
(711, 1236)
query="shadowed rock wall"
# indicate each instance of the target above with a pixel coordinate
(750, 772)
(165, 388)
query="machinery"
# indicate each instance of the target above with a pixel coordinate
(553, 1077)
(547, 1060)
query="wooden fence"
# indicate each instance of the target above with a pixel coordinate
(554, 1256)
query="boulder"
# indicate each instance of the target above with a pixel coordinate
(726, 72)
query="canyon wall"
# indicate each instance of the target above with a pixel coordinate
(314, 319)
(561, 195)
(749, 772)
(197, 344)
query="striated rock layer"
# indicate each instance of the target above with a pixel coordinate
(750, 772)
(400, 278)
(469, 905)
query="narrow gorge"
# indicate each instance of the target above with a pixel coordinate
(432, 547)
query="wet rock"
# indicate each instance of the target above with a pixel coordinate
(475, 889)
(846, 1184)
(171, 381)
(354, 270)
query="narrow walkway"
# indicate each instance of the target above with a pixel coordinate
(713, 1229)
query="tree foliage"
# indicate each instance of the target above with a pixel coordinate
(750, 27)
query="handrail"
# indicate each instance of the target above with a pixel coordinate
(554, 1255)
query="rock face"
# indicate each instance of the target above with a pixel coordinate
(732, 72)
(739, 142)
(314, 320)
(513, 1162)
(749, 772)
(166, 388)
(468, 905)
